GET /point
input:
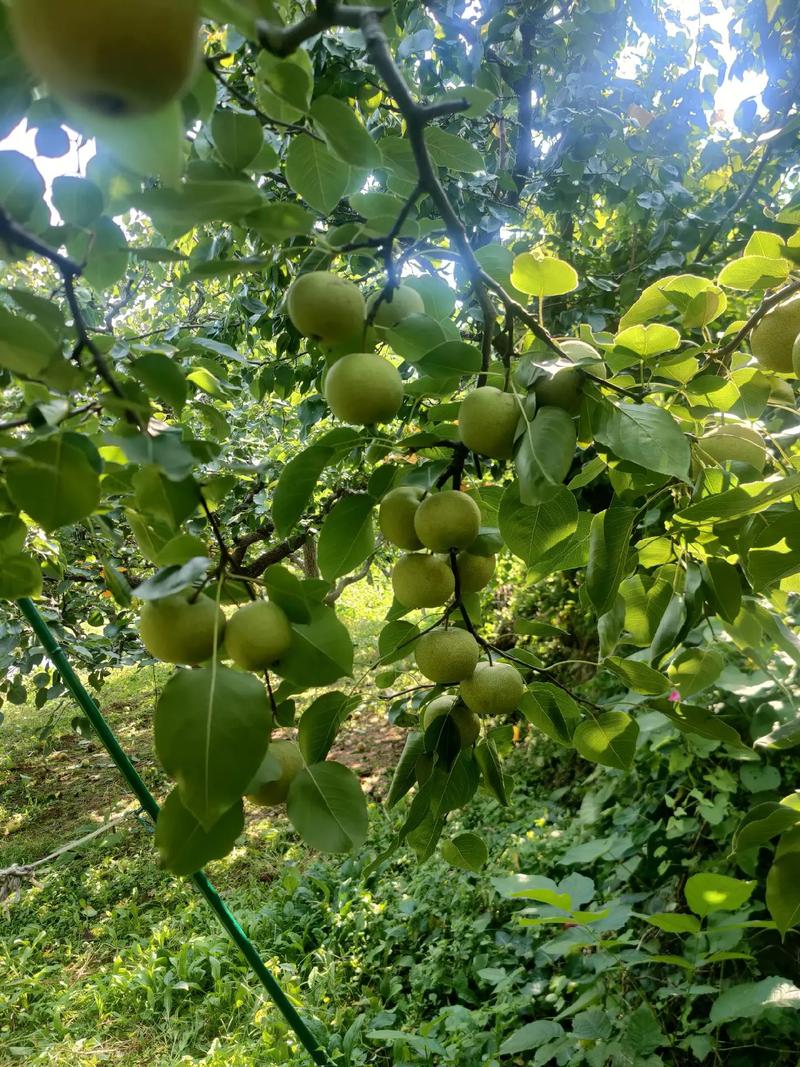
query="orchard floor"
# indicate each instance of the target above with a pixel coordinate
(105, 959)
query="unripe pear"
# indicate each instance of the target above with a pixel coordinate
(274, 791)
(474, 572)
(774, 337)
(326, 307)
(257, 635)
(404, 301)
(176, 629)
(467, 722)
(396, 516)
(363, 389)
(421, 581)
(445, 656)
(487, 420)
(494, 689)
(562, 390)
(446, 520)
(115, 57)
(735, 442)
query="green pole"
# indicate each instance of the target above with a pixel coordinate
(150, 805)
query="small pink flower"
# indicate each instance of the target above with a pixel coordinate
(674, 697)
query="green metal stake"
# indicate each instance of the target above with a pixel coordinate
(150, 805)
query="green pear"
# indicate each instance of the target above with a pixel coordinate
(396, 516)
(403, 302)
(474, 572)
(257, 635)
(422, 581)
(176, 629)
(494, 689)
(363, 389)
(113, 57)
(265, 788)
(466, 721)
(773, 338)
(326, 307)
(449, 519)
(446, 656)
(562, 390)
(487, 421)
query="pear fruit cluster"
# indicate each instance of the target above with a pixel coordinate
(361, 388)
(114, 57)
(189, 629)
(440, 522)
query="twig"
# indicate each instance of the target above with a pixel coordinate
(251, 105)
(766, 305)
(711, 236)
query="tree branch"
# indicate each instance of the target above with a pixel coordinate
(766, 305)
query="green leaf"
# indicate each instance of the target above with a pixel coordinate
(450, 358)
(734, 504)
(775, 552)
(20, 575)
(26, 348)
(455, 786)
(176, 211)
(396, 640)
(708, 893)
(184, 846)
(762, 823)
(551, 710)
(405, 772)
(289, 593)
(327, 808)
(466, 851)
(609, 545)
(480, 100)
(753, 998)
(296, 486)
(316, 175)
(108, 255)
(173, 579)
(646, 341)
(320, 654)
(491, 769)
(53, 481)
(530, 532)
(698, 300)
(672, 922)
(762, 243)
(695, 669)
(77, 200)
(783, 893)
(344, 134)
(347, 537)
(532, 1035)
(543, 276)
(453, 152)
(645, 435)
(694, 720)
(544, 454)
(212, 728)
(237, 137)
(21, 184)
(608, 739)
(638, 676)
(755, 272)
(162, 377)
(150, 145)
(275, 223)
(320, 723)
(289, 78)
